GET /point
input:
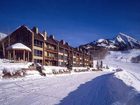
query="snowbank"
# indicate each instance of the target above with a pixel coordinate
(51, 69)
(129, 79)
(12, 68)
(78, 69)
(57, 69)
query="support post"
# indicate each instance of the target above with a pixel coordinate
(8, 55)
(3, 47)
(24, 55)
(28, 56)
(14, 54)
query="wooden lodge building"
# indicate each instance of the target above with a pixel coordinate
(26, 44)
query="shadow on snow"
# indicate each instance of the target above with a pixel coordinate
(103, 90)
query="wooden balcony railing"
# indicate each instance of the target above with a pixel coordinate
(51, 58)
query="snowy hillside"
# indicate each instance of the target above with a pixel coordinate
(124, 60)
(2, 35)
(120, 42)
(132, 56)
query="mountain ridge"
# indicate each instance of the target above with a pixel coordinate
(120, 42)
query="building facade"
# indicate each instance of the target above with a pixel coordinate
(26, 44)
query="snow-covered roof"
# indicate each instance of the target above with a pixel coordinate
(18, 46)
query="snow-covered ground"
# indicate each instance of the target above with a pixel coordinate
(48, 90)
(88, 88)
(109, 87)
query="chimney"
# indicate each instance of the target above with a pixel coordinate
(35, 30)
(81, 49)
(45, 35)
(77, 48)
(62, 41)
(67, 43)
(52, 36)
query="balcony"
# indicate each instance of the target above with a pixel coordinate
(51, 58)
(52, 50)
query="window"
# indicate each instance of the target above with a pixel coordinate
(38, 61)
(60, 63)
(51, 55)
(38, 43)
(38, 53)
(65, 58)
(60, 57)
(51, 47)
(61, 50)
(66, 52)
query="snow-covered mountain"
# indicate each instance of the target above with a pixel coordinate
(125, 41)
(121, 42)
(2, 35)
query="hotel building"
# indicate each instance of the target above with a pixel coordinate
(25, 44)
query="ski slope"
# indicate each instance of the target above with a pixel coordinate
(123, 60)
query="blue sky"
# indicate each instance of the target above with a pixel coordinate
(75, 21)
